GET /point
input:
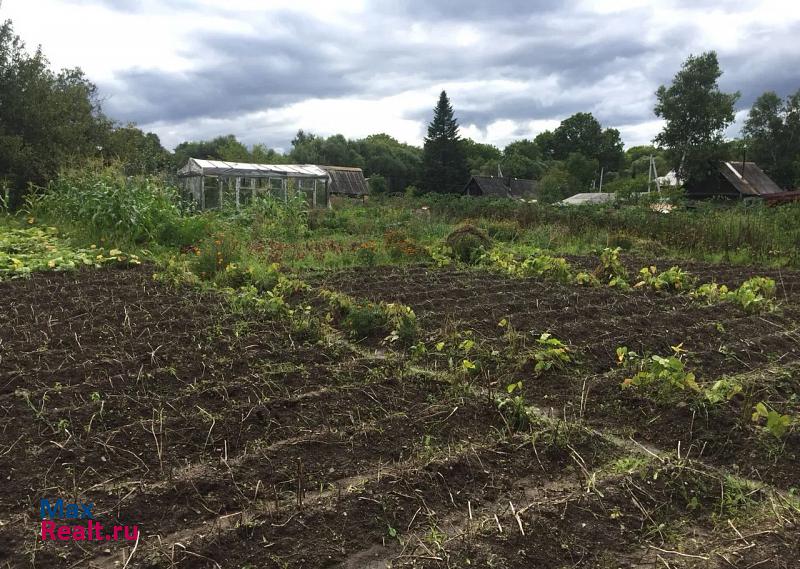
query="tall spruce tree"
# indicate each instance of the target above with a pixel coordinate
(444, 166)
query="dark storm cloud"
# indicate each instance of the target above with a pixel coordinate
(609, 64)
(471, 10)
(243, 74)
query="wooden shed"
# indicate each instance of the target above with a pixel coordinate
(500, 187)
(346, 181)
(735, 180)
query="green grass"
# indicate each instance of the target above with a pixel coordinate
(105, 209)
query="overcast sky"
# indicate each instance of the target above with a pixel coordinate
(194, 69)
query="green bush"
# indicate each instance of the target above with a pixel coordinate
(502, 230)
(378, 185)
(365, 321)
(468, 243)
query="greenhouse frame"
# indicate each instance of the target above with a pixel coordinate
(215, 183)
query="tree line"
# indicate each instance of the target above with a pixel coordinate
(53, 119)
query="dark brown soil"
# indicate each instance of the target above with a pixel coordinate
(231, 444)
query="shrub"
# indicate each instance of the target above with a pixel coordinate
(215, 254)
(378, 185)
(502, 230)
(366, 253)
(468, 243)
(365, 321)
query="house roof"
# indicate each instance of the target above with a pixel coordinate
(497, 187)
(748, 178)
(347, 181)
(490, 186)
(589, 198)
(521, 187)
(199, 167)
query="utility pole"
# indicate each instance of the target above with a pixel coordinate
(652, 176)
(602, 171)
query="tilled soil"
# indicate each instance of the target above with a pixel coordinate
(231, 444)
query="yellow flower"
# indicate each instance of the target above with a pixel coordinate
(51, 263)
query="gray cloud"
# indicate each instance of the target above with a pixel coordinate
(609, 64)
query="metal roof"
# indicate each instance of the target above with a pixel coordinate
(199, 167)
(748, 178)
(589, 198)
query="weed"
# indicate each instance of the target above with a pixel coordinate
(216, 254)
(365, 321)
(366, 254)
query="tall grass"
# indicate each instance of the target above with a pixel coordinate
(105, 204)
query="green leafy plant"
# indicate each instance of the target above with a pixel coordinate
(673, 279)
(24, 251)
(551, 353)
(611, 269)
(514, 407)
(723, 390)
(105, 203)
(775, 423)
(664, 375)
(537, 265)
(754, 295)
(586, 279)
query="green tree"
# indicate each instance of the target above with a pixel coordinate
(545, 142)
(637, 160)
(481, 158)
(772, 131)
(400, 164)
(444, 168)
(338, 151)
(555, 185)
(139, 152)
(582, 171)
(220, 148)
(306, 149)
(523, 159)
(696, 114)
(582, 133)
(48, 119)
